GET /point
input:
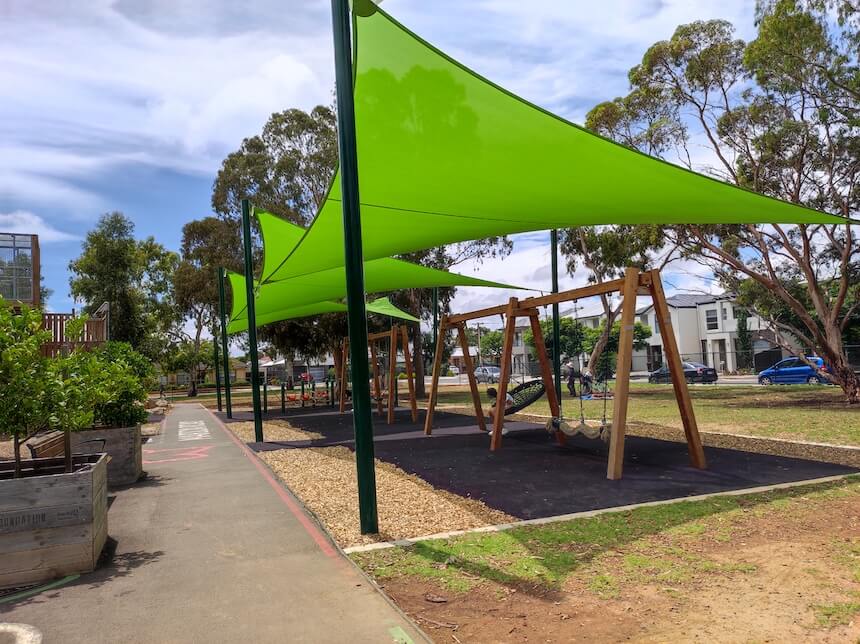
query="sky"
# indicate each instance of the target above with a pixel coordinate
(131, 105)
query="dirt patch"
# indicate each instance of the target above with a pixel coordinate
(325, 480)
(273, 430)
(784, 571)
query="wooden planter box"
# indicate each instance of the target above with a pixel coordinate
(122, 444)
(51, 523)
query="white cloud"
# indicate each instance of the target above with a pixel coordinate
(21, 221)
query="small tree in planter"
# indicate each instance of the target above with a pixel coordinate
(22, 375)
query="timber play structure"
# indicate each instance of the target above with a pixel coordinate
(632, 284)
(398, 336)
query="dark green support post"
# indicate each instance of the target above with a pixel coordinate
(303, 392)
(353, 263)
(217, 370)
(283, 398)
(556, 322)
(225, 352)
(252, 320)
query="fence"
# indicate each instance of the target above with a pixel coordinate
(94, 333)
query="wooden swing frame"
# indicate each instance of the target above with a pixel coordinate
(632, 284)
(398, 337)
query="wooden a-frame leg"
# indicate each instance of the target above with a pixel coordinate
(546, 371)
(437, 366)
(470, 374)
(501, 397)
(377, 386)
(410, 374)
(615, 466)
(676, 369)
(392, 372)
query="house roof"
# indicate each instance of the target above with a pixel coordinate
(684, 301)
(458, 352)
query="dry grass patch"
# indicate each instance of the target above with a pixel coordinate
(325, 480)
(7, 450)
(273, 430)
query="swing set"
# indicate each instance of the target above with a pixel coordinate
(634, 282)
(398, 335)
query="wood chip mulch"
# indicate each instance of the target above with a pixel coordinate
(273, 430)
(324, 478)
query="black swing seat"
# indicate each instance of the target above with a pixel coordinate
(524, 395)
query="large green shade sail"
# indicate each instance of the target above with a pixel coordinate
(446, 156)
(381, 306)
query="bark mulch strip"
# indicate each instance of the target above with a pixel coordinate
(325, 480)
(275, 430)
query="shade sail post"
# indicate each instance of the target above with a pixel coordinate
(556, 322)
(353, 263)
(252, 321)
(215, 362)
(225, 353)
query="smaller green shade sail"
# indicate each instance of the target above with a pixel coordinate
(381, 306)
(446, 156)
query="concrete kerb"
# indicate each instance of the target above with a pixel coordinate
(590, 513)
(338, 553)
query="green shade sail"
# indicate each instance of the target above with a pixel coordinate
(447, 156)
(381, 306)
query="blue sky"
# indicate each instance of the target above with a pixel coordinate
(131, 105)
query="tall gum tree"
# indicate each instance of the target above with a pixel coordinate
(779, 116)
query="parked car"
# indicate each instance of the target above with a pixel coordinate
(455, 371)
(488, 374)
(794, 371)
(693, 372)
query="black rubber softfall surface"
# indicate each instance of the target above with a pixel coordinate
(532, 477)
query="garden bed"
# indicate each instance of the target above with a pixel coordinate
(52, 523)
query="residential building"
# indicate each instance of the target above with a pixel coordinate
(457, 358)
(705, 328)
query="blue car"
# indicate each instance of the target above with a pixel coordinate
(793, 371)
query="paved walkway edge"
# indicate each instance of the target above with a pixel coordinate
(311, 521)
(590, 513)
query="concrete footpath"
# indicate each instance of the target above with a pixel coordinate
(212, 549)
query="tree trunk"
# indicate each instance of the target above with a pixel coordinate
(418, 361)
(17, 448)
(843, 375)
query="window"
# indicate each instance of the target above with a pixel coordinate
(704, 352)
(16, 267)
(518, 339)
(711, 321)
(725, 313)
(655, 327)
(643, 318)
(595, 323)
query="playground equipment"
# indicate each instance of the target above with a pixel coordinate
(632, 284)
(397, 336)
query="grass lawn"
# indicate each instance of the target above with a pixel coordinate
(734, 568)
(798, 412)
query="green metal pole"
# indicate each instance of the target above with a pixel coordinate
(556, 322)
(225, 352)
(252, 320)
(353, 262)
(217, 370)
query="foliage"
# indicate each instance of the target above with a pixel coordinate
(571, 337)
(781, 116)
(286, 170)
(744, 344)
(133, 276)
(492, 344)
(208, 244)
(22, 371)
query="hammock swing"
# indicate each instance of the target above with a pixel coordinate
(602, 431)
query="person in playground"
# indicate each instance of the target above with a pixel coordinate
(509, 400)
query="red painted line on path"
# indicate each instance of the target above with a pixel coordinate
(177, 454)
(310, 527)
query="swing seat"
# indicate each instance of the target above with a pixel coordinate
(602, 431)
(524, 395)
